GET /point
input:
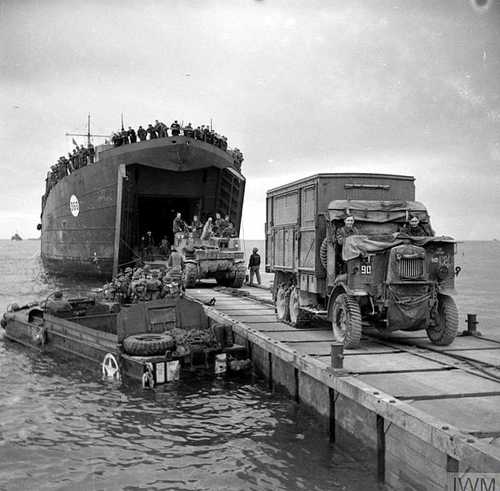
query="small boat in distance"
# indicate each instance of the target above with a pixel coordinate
(16, 236)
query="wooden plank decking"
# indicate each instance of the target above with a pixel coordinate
(457, 385)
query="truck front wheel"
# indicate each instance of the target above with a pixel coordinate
(446, 328)
(346, 321)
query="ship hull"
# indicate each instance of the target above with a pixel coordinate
(93, 219)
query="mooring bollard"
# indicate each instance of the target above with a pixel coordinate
(472, 323)
(337, 355)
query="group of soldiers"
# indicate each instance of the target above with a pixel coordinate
(80, 157)
(142, 284)
(413, 227)
(161, 130)
(218, 227)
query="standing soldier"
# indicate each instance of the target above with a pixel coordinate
(151, 132)
(229, 230)
(198, 134)
(164, 247)
(84, 155)
(178, 225)
(175, 128)
(124, 135)
(196, 226)
(188, 131)
(142, 134)
(254, 266)
(223, 143)
(149, 244)
(217, 225)
(164, 129)
(175, 266)
(131, 135)
(91, 150)
(206, 135)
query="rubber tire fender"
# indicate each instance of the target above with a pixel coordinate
(148, 344)
(323, 253)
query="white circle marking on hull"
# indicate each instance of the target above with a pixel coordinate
(74, 206)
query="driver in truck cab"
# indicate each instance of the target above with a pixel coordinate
(414, 228)
(346, 230)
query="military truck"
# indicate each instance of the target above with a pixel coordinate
(217, 257)
(380, 276)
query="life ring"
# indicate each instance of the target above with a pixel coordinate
(110, 367)
(148, 344)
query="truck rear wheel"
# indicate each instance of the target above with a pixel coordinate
(445, 331)
(296, 315)
(346, 321)
(282, 304)
(190, 275)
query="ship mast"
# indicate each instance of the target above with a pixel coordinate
(88, 134)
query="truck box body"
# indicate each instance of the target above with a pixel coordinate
(296, 215)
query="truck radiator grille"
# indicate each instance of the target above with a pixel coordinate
(411, 268)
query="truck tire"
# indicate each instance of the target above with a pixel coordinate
(446, 329)
(239, 276)
(297, 316)
(323, 253)
(283, 304)
(148, 344)
(346, 321)
(190, 275)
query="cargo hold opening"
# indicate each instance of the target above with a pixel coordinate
(151, 197)
(157, 214)
(154, 213)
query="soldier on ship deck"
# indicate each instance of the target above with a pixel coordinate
(151, 132)
(91, 151)
(175, 128)
(142, 134)
(131, 135)
(188, 131)
(124, 135)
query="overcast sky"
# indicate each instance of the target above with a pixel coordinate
(302, 87)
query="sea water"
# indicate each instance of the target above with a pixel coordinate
(62, 427)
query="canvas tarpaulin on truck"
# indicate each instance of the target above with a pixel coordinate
(377, 211)
(361, 245)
